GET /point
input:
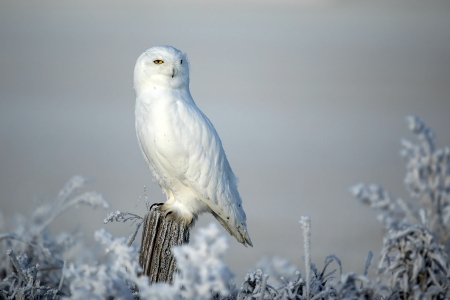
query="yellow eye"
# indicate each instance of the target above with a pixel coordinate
(158, 61)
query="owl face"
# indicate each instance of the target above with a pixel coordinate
(162, 66)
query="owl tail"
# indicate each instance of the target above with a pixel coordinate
(240, 232)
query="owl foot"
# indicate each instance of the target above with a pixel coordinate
(155, 204)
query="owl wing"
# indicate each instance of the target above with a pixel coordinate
(207, 171)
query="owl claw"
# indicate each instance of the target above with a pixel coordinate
(155, 204)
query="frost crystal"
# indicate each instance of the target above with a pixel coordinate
(118, 216)
(200, 265)
(115, 278)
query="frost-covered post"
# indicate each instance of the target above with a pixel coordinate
(159, 235)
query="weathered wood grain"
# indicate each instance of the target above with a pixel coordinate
(159, 235)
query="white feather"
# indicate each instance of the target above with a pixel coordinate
(181, 146)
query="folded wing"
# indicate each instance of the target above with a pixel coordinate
(207, 171)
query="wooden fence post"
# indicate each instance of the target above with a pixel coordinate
(159, 236)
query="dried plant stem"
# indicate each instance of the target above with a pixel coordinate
(368, 260)
(133, 235)
(321, 294)
(263, 287)
(306, 226)
(62, 276)
(15, 263)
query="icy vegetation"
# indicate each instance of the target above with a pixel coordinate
(413, 263)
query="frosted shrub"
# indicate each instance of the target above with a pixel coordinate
(415, 263)
(36, 271)
(280, 270)
(428, 179)
(25, 284)
(322, 285)
(316, 285)
(255, 287)
(201, 269)
(357, 287)
(414, 257)
(392, 213)
(112, 279)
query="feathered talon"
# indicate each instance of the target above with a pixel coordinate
(155, 204)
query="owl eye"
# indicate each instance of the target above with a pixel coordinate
(181, 62)
(158, 61)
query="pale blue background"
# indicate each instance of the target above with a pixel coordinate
(309, 97)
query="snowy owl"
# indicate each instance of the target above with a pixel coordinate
(181, 146)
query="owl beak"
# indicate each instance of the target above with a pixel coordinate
(173, 72)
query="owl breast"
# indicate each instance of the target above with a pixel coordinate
(157, 132)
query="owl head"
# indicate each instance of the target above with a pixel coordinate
(161, 66)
